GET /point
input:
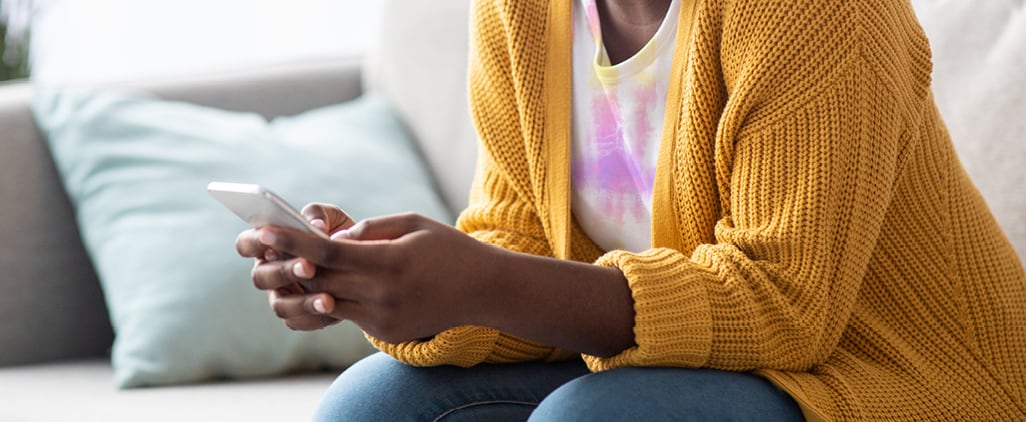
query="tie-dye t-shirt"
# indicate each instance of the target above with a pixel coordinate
(617, 123)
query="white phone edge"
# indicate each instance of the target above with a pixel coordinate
(281, 208)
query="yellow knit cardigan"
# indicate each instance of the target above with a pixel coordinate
(811, 222)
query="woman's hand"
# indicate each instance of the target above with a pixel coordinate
(407, 277)
(327, 217)
(399, 277)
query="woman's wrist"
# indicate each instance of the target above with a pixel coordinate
(568, 304)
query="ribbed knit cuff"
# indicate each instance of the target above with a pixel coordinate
(461, 346)
(673, 321)
(467, 346)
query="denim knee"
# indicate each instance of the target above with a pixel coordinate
(363, 391)
(668, 394)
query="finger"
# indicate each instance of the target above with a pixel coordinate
(293, 305)
(313, 311)
(332, 254)
(288, 290)
(273, 275)
(383, 228)
(329, 217)
(248, 245)
(304, 311)
(311, 322)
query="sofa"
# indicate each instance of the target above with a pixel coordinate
(55, 334)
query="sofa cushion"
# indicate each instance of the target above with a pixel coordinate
(80, 391)
(181, 302)
(979, 53)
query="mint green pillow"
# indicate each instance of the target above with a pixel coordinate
(181, 300)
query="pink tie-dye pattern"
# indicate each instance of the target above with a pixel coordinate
(613, 165)
(648, 99)
(612, 170)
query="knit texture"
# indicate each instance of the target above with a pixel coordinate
(816, 226)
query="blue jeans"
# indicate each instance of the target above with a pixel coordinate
(379, 388)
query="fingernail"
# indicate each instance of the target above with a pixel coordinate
(317, 222)
(319, 306)
(267, 237)
(300, 270)
(341, 234)
(271, 255)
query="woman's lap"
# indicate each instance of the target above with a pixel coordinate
(668, 394)
(380, 388)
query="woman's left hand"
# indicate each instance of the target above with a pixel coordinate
(399, 278)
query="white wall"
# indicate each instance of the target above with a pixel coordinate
(76, 41)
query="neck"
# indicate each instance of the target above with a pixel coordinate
(635, 12)
(628, 24)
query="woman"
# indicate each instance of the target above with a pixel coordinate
(815, 249)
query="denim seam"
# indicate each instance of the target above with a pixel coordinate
(481, 403)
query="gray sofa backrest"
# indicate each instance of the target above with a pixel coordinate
(51, 305)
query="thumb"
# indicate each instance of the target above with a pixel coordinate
(382, 228)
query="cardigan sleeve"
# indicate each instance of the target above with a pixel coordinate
(501, 210)
(807, 152)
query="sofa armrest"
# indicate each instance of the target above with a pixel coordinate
(52, 307)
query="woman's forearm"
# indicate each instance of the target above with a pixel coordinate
(572, 305)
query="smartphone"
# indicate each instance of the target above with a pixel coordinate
(260, 207)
